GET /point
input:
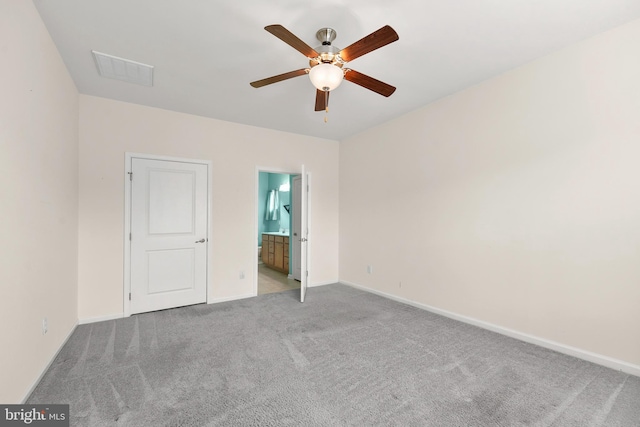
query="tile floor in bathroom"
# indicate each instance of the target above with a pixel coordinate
(270, 281)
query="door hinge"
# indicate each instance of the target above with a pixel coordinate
(129, 296)
(307, 276)
(130, 176)
(129, 236)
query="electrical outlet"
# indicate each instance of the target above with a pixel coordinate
(400, 285)
(45, 326)
(242, 274)
(369, 269)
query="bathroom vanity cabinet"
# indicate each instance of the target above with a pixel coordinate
(275, 251)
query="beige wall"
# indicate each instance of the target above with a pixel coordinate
(109, 128)
(515, 202)
(38, 199)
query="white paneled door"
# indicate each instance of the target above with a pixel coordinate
(296, 227)
(169, 211)
(300, 229)
(304, 233)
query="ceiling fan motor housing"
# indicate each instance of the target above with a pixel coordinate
(328, 52)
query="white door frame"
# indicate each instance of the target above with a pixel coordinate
(126, 306)
(255, 219)
(304, 234)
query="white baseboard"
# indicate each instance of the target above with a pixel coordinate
(609, 362)
(100, 318)
(46, 368)
(233, 298)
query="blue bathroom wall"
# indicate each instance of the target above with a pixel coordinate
(267, 182)
(275, 181)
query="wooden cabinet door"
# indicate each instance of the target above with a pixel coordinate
(265, 248)
(286, 255)
(279, 255)
(272, 248)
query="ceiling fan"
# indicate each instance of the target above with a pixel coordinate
(327, 63)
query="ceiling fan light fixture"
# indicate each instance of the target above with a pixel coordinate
(326, 77)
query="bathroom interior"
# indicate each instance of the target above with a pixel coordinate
(274, 230)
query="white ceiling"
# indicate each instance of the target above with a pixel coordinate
(206, 52)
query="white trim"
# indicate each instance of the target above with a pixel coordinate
(126, 305)
(309, 230)
(126, 271)
(233, 298)
(114, 316)
(35, 383)
(599, 359)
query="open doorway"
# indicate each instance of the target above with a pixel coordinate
(275, 237)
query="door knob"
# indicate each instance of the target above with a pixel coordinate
(200, 241)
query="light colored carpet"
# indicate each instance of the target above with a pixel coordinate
(343, 358)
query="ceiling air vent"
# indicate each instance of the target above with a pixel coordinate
(123, 69)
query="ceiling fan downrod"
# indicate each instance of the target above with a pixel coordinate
(326, 36)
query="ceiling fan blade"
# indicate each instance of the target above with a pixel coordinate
(279, 78)
(322, 100)
(289, 38)
(373, 41)
(369, 82)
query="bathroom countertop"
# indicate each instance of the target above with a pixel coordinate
(276, 233)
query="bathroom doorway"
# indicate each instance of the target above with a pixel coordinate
(274, 225)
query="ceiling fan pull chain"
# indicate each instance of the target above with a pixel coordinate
(326, 107)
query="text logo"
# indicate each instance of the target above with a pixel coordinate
(34, 415)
